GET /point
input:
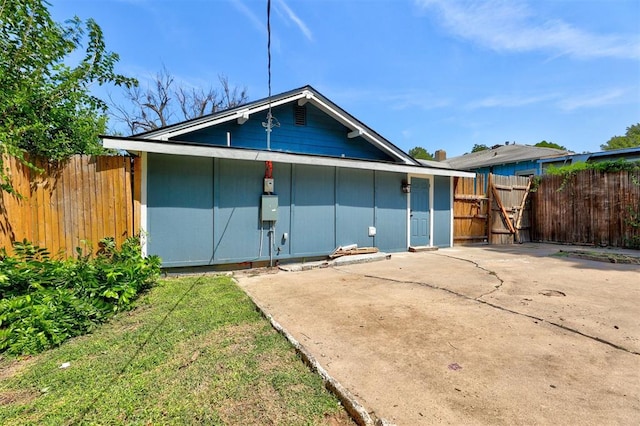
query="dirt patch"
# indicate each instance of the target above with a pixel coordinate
(602, 257)
(9, 368)
(17, 397)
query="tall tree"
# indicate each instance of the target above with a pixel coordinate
(163, 99)
(46, 107)
(419, 153)
(479, 147)
(629, 140)
(545, 144)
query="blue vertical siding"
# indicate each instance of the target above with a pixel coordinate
(390, 212)
(204, 211)
(180, 209)
(509, 169)
(282, 177)
(322, 135)
(313, 220)
(354, 207)
(237, 197)
(442, 211)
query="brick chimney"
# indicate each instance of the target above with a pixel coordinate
(440, 155)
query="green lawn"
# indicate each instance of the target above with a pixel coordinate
(194, 351)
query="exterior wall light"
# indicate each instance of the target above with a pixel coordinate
(406, 187)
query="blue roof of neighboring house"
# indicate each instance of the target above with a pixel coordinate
(627, 153)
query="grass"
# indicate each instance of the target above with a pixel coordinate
(193, 351)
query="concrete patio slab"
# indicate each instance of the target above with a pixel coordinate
(471, 335)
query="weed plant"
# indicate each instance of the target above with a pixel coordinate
(45, 301)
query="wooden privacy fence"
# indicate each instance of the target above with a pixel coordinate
(590, 207)
(73, 204)
(496, 211)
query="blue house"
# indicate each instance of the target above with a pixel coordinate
(219, 189)
(625, 154)
(507, 160)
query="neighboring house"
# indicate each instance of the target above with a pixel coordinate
(207, 197)
(628, 154)
(508, 160)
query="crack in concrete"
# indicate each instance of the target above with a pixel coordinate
(477, 265)
(493, 305)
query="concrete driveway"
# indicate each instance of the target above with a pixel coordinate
(471, 335)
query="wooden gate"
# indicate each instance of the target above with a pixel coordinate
(496, 211)
(469, 210)
(509, 215)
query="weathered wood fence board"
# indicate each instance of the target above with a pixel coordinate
(591, 207)
(74, 204)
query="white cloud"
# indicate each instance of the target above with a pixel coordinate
(595, 100)
(510, 101)
(562, 101)
(255, 20)
(296, 20)
(511, 25)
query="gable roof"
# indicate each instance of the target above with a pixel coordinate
(301, 95)
(504, 154)
(166, 140)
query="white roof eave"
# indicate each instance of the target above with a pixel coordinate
(178, 148)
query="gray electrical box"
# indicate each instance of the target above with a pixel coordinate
(268, 184)
(269, 208)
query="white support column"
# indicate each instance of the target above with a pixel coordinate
(143, 204)
(408, 177)
(451, 201)
(432, 189)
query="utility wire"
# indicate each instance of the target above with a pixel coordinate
(269, 49)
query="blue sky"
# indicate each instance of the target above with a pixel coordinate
(441, 74)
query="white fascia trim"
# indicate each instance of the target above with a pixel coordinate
(356, 128)
(210, 121)
(175, 148)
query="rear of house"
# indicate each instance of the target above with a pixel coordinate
(220, 189)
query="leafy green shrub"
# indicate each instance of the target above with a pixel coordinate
(602, 166)
(45, 301)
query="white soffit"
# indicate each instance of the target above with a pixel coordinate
(177, 148)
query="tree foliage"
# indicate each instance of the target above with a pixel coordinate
(545, 144)
(629, 140)
(46, 107)
(419, 153)
(479, 147)
(164, 99)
